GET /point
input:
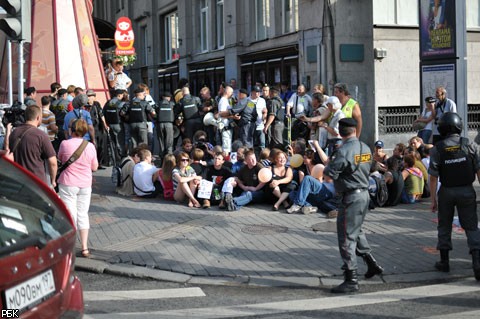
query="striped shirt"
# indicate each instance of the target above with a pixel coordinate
(48, 123)
(189, 171)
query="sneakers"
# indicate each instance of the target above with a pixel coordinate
(206, 204)
(309, 209)
(229, 201)
(332, 214)
(294, 209)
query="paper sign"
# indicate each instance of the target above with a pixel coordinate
(205, 189)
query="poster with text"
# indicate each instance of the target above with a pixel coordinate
(437, 29)
(434, 76)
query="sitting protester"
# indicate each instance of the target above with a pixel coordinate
(413, 179)
(281, 185)
(217, 174)
(247, 181)
(314, 193)
(395, 183)
(165, 176)
(126, 165)
(185, 181)
(197, 163)
(145, 176)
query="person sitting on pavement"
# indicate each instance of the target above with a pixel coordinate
(145, 176)
(394, 181)
(281, 184)
(314, 193)
(127, 164)
(265, 157)
(185, 181)
(197, 163)
(418, 144)
(240, 159)
(397, 153)
(218, 174)
(413, 179)
(419, 164)
(165, 176)
(247, 181)
(379, 156)
(309, 161)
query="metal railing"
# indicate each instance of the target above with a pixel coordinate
(399, 119)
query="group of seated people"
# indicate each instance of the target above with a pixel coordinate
(202, 175)
(405, 172)
(230, 180)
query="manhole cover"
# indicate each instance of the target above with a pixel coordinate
(326, 227)
(264, 229)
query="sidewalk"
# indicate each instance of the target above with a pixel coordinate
(255, 246)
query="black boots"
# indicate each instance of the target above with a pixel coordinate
(373, 267)
(349, 285)
(443, 265)
(476, 263)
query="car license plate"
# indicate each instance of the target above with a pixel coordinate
(31, 291)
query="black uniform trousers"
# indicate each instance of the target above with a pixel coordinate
(165, 138)
(465, 200)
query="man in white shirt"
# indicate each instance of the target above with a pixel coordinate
(444, 105)
(145, 176)
(261, 107)
(117, 79)
(224, 135)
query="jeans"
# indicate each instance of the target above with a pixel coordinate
(425, 135)
(407, 198)
(248, 197)
(312, 193)
(259, 139)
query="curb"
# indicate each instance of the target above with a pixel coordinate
(132, 271)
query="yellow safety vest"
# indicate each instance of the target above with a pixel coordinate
(347, 109)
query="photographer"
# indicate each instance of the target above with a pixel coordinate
(200, 141)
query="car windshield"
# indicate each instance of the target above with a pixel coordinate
(27, 215)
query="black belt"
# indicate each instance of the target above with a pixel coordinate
(354, 191)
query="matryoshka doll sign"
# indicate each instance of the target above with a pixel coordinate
(124, 37)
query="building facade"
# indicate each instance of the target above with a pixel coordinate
(371, 45)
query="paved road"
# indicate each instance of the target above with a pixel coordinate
(255, 246)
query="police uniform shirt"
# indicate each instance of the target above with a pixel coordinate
(342, 168)
(274, 107)
(435, 161)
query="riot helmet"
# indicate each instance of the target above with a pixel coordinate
(450, 123)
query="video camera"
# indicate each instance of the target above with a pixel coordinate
(14, 114)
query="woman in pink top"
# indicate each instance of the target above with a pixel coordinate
(75, 182)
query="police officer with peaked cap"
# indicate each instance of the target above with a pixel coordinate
(456, 162)
(350, 168)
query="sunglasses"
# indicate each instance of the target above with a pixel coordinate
(185, 159)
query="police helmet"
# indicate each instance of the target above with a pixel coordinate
(450, 123)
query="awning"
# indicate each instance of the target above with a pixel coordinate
(105, 32)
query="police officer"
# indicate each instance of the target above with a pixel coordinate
(456, 162)
(189, 105)
(111, 111)
(349, 168)
(276, 113)
(137, 112)
(164, 127)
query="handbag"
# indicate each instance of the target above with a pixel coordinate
(418, 126)
(72, 159)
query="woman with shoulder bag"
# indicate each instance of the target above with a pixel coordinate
(75, 182)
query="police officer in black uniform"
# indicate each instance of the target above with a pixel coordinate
(350, 168)
(137, 112)
(164, 126)
(276, 113)
(189, 105)
(111, 111)
(456, 162)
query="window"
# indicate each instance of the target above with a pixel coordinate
(220, 25)
(290, 15)
(473, 13)
(262, 19)
(204, 25)
(397, 12)
(171, 37)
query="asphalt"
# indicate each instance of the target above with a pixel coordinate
(158, 239)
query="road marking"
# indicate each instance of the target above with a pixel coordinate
(316, 304)
(143, 294)
(458, 315)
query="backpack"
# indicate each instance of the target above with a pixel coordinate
(117, 176)
(380, 196)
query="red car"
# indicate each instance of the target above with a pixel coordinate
(37, 243)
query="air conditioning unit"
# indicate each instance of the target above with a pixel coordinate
(380, 53)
